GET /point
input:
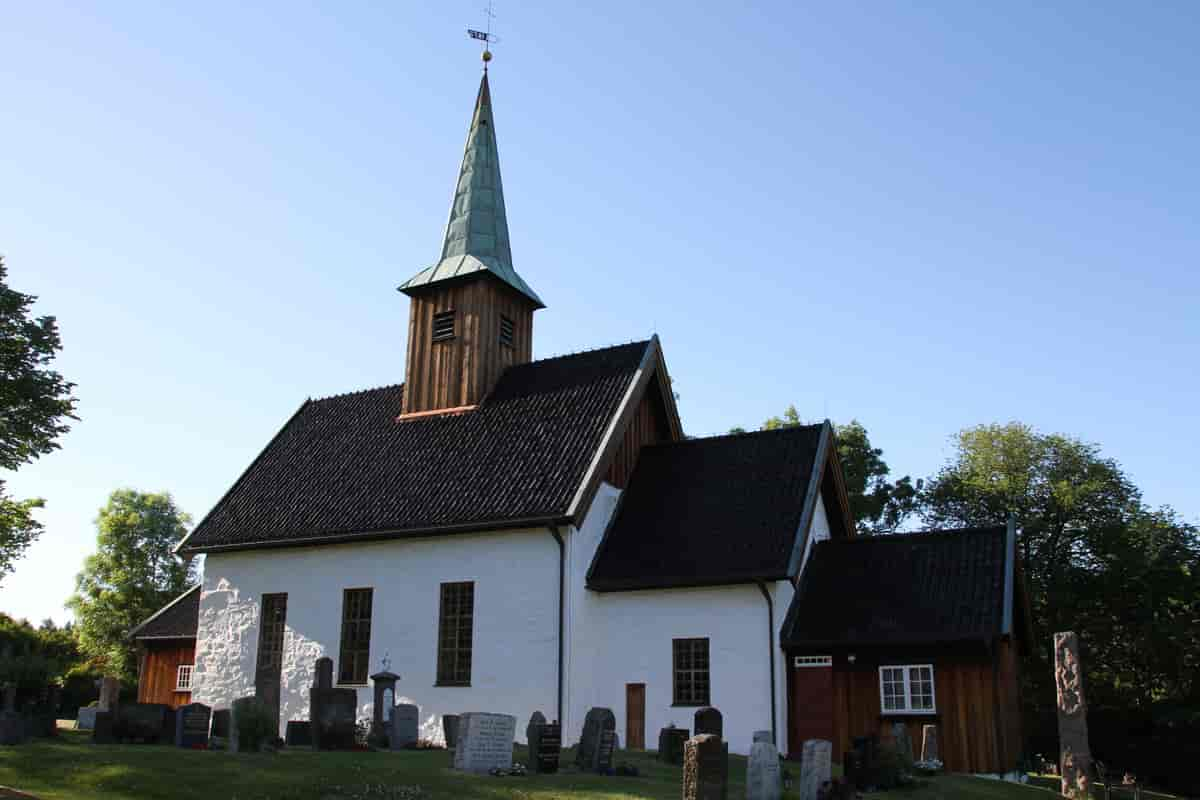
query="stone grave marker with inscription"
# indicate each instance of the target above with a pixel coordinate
(709, 720)
(545, 746)
(705, 768)
(764, 736)
(220, 723)
(604, 755)
(298, 733)
(535, 719)
(141, 722)
(405, 721)
(670, 744)
(331, 712)
(86, 719)
(595, 723)
(485, 742)
(816, 768)
(191, 725)
(764, 779)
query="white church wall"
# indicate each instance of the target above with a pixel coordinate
(515, 652)
(616, 638)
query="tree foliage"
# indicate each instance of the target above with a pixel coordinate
(877, 504)
(35, 403)
(1124, 577)
(132, 574)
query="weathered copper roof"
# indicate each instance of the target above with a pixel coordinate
(477, 231)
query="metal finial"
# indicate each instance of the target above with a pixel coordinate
(485, 36)
(387, 663)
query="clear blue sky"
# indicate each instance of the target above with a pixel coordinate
(921, 216)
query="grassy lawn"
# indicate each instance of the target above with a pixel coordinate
(72, 768)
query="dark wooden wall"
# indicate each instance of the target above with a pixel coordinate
(461, 371)
(647, 426)
(978, 707)
(160, 664)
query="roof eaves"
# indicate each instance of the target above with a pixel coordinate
(679, 582)
(133, 633)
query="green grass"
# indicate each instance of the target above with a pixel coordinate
(71, 768)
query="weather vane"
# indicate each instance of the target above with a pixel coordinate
(485, 36)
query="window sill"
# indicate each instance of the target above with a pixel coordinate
(689, 705)
(448, 684)
(926, 713)
(352, 686)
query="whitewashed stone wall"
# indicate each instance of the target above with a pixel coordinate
(514, 669)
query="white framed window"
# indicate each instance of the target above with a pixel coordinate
(906, 689)
(183, 678)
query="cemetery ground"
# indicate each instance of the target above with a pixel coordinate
(72, 768)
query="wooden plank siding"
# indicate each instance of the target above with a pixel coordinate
(977, 709)
(158, 670)
(462, 370)
(648, 425)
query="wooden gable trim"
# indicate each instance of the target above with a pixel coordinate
(810, 500)
(833, 470)
(652, 365)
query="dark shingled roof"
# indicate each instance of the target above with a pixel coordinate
(343, 468)
(725, 509)
(937, 586)
(178, 619)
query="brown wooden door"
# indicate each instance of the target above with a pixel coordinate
(270, 651)
(811, 709)
(635, 716)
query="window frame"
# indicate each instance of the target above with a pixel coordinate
(365, 664)
(440, 316)
(450, 654)
(692, 700)
(906, 680)
(180, 684)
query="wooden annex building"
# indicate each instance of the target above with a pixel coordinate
(166, 648)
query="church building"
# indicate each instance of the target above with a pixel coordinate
(517, 535)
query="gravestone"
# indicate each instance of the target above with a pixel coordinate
(405, 721)
(764, 736)
(902, 742)
(709, 720)
(764, 778)
(384, 683)
(240, 706)
(670, 744)
(102, 729)
(331, 712)
(450, 730)
(298, 733)
(110, 693)
(141, 722)
(535, 719)
(705, 768)
(816, 768)
(545, 746)
(220, 723)
(85, 720)
(597, 721)
(191, 725)
(485, 742)
(1075, 760)
(13, 729)
(604, 755)
(929, 743)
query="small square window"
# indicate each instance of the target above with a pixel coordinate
(907, 689)
(443, 326)
(506, 331)
(183, 678)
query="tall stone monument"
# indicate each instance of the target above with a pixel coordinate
(816, 767)
(764, 779)
(705, 768)
(1076, 754)
(384, 682)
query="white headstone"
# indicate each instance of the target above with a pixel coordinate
(816, 768)
(485, 741)
(763, 778)
(405, 721)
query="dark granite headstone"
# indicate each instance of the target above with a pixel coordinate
(595, 723)
(332, 717)
(709, 720)
(537, 718)
(450, 730)
(220, 723)
(102, 728)
(323, 673)
(141, 722)
(670, 744)
(604, 757)
(191, 725)
(545, 746)
(298, 734)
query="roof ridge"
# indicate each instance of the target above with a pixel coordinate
(343, 395)
(935, 532)
(584, 352)
(738, 435)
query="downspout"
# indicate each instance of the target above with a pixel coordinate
(762, 587)
(562, 563)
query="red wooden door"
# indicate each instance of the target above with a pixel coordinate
(635, 716)
(811, 709)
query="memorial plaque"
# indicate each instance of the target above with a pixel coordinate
(191, 725)
(405, 721)
(545, 746)
(485, 742)
(298, 733)
(670, 744)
